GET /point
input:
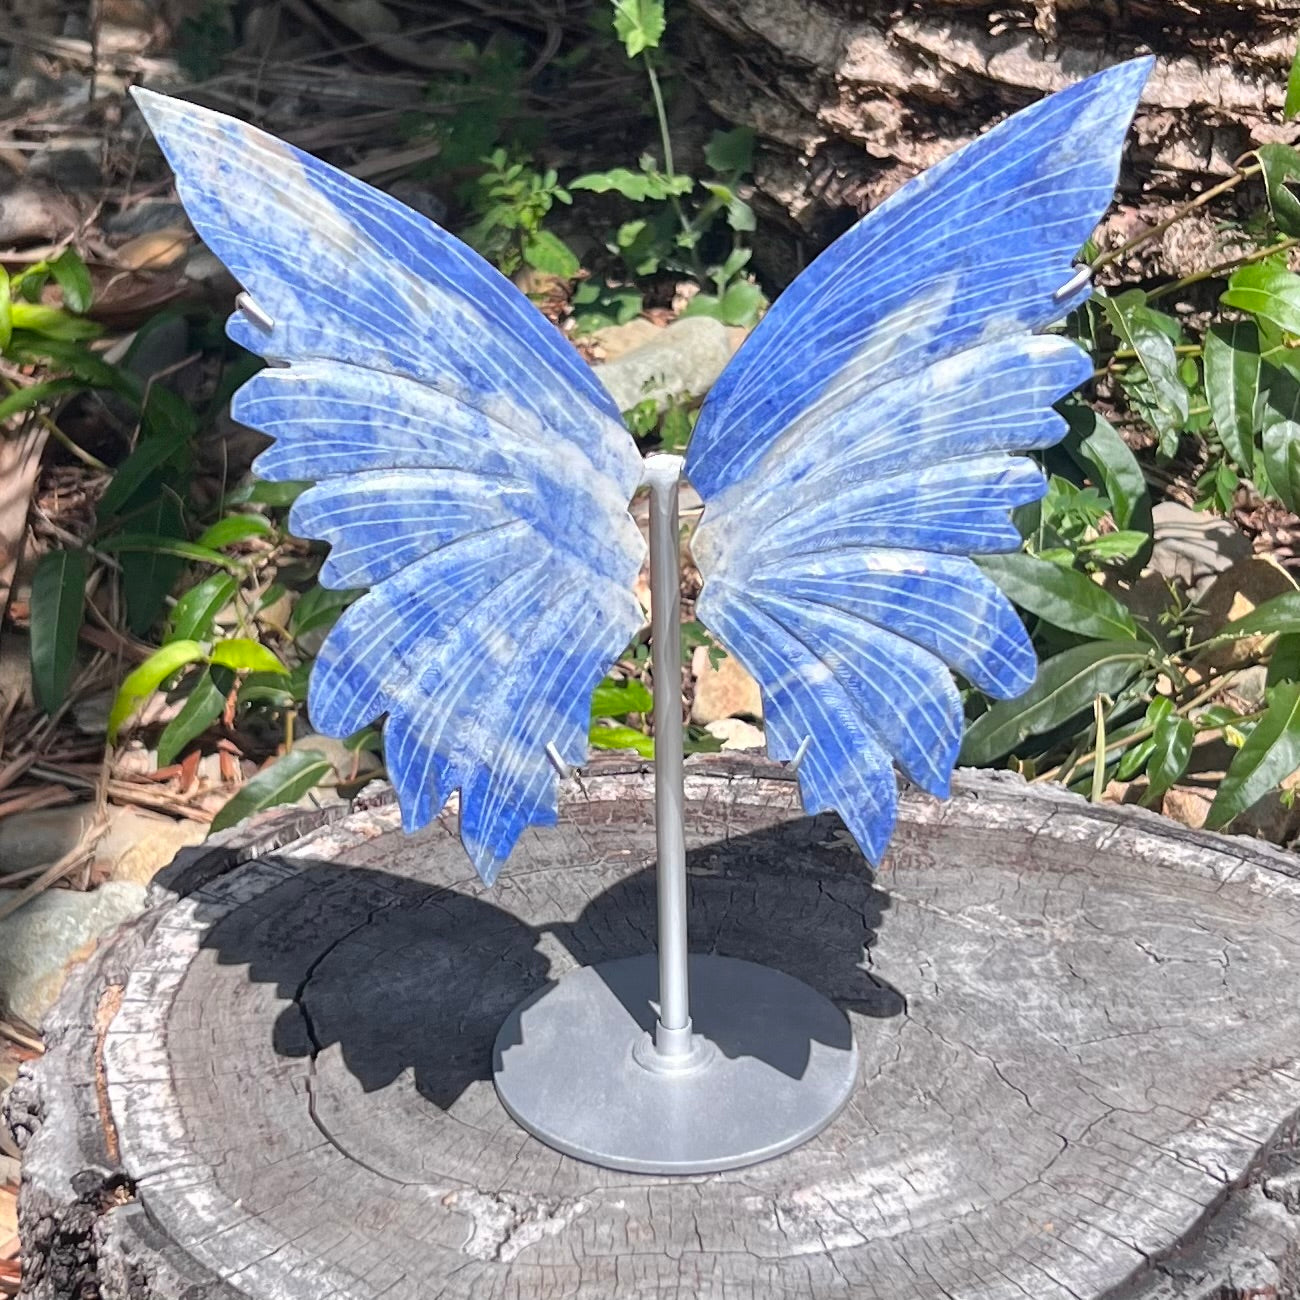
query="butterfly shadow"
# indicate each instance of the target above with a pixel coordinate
(399, 975)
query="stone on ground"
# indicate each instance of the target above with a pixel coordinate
(1192, 546)
(45, 937)
(736, 733)
(726, 691)
(681, 362)
(137, 845)
(42, 836)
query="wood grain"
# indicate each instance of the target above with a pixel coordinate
(1077, 1029)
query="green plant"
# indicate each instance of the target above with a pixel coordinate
(672, 235)
(511, 200)
(1121, 696)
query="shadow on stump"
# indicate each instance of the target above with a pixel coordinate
(405, 975)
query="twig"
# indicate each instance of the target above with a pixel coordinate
(41, 797)
(128, 792)
(1244, 173)
(16, 1035)
(65, 866)
(1230, 265)
(14, 769)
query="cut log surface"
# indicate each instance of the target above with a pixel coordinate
(1077, 1029)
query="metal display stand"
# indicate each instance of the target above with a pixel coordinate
(681, 1064)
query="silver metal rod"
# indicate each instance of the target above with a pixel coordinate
(673, 1032)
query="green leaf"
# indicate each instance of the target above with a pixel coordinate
(1064, 597)
(549, 254)
(1292, 105)
(79, 361)
(1268, 290)
(147, 678)
(234, 529)
(616, 699)
(1281, 614)
(6, 311)
(74, 280)
(52, 322)
(58, 598)
(603, 737)
(271, 689)
(24, 399)
(1134, 759)
(597, 306)
(137, 469)
(168, 415)
(1284, 662)
(1123, 544)
(195, 612)
(1270, 754)
(160, 544)
(320, 607)
(284, 781)
(675, 428)
(1163, 397)
(639, 24)
(1280, 438)
(1281, 165)
(150, 571)
(1171, 752)
(730, 151)
(261, 492)
(740, 305)
(637, 186)
(201, 709)
(1232, 386)
(1066, 685)
(241, 653)
(740, 216)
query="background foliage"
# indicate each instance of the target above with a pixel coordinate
(1196, 381)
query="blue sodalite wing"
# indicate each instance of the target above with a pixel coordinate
(862, 445)
(468, 467)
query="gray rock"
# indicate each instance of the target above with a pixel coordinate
(42, 940)
(16, 668)
(73, 171)
(31, 211)
(1192, 546)
(683, 361)
(35, 839)
(144, 218)
(90, 712)
(137, 845)
(420, 197)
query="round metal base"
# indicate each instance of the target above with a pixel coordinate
(575, 1064)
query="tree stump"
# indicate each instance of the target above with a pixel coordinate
(848, 101)
(1077, 1029)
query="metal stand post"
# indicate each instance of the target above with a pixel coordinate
(607, 1063)
(673, 1027)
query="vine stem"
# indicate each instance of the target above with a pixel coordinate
(1244, 173)
(58, 435)
(1215, 687)
(1231, 264)
(665, 137)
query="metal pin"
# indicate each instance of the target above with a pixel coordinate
(799, 753)
(561, 767)
(249, 307)
(1082, 275)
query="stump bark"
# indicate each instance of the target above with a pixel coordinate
(849, 100)
(1077, 1028)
